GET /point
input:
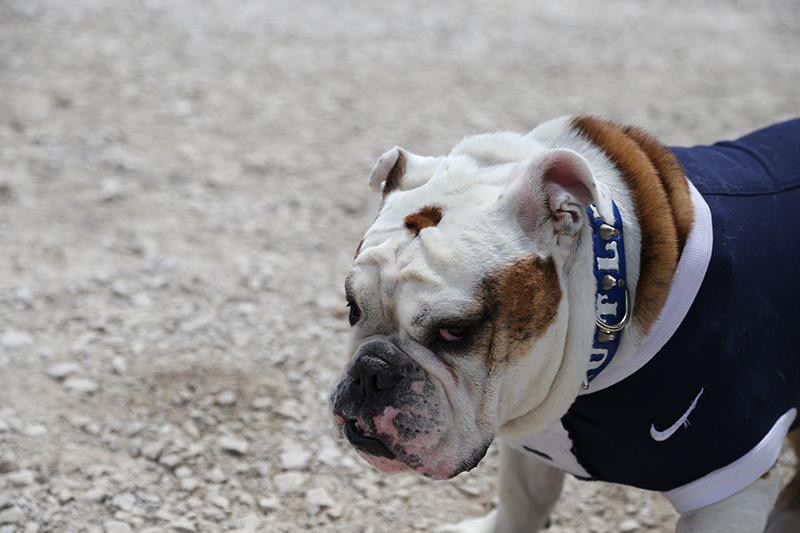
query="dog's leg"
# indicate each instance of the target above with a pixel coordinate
(528, 490)
(744, 512)
(785, 518)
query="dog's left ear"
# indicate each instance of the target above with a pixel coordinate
(399, 170)
(557, 185)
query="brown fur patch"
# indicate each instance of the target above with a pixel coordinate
(427, 217)
(661, 202)
(394, 180)
(358, 250)
(522, 300)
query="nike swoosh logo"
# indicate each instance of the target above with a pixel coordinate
(661, 436)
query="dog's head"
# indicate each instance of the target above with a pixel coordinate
(457, 300)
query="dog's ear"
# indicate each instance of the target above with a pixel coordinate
(557, 185)
(399, 170)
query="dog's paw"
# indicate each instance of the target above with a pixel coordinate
(483, 524)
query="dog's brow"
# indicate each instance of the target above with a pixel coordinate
(348, 286)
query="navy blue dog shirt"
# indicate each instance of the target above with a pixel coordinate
(702, 408)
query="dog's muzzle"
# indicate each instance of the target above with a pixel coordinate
(381, 376)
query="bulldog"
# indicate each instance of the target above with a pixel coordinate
(607, 306)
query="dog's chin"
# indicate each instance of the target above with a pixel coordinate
(378, 454)
(384, 464)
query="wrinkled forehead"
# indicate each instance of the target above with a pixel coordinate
(436, 243)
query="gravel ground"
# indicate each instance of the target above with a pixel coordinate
(182, 187)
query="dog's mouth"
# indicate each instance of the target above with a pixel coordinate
(364, 440)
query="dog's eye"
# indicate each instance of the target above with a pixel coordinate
(453, 334)
(355, 312)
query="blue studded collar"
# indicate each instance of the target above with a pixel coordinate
(611, 300)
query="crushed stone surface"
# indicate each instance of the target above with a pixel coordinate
(182, 189)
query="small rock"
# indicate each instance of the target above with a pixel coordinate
(36, 430)
(628, 526)
(329, 455)
(226, 398)
(291, 408)
(335, 513)
(115, 526)
(152, 451)
(182, 472)
(295, 460)
(262, 403)
(62, 370)
(250, 523)
(188, 484)
(124, 501)
(12, 515)
(21, 478)
(93, 496)
(119, 365)
(80, 386)
(170, 460)
(268, 505)
(289, 482)
(182, 526)
(220, 501)
(317, 499)
(15, 339)
(216, 475)
(234, 445)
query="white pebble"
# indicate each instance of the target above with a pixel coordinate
(93, 496)
(289, 482)
(119, 365)
(269, 504)
(11, 515)
(62, 370)
(152, 451)
(295, 460)
(216, 475)
(21, 478)
(188, 484)
(35, 430)
(15, 339)
(182, 526)
(628, 526)
(82, 386)
(262, 403)
(317, 499)
(249, 524)
(183, 472)
(220, 501)
(116, 526)
(234, 445)
(226, 398)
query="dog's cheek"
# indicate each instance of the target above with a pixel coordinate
(524, 297)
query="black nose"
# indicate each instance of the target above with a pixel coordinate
(373, 378)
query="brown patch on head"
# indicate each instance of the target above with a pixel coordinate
(394, 180)
(427, 217)
(661, 201)
(358, 250)
(523, 300)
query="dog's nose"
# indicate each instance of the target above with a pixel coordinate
(372, 377)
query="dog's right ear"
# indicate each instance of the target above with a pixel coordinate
(399, 170)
